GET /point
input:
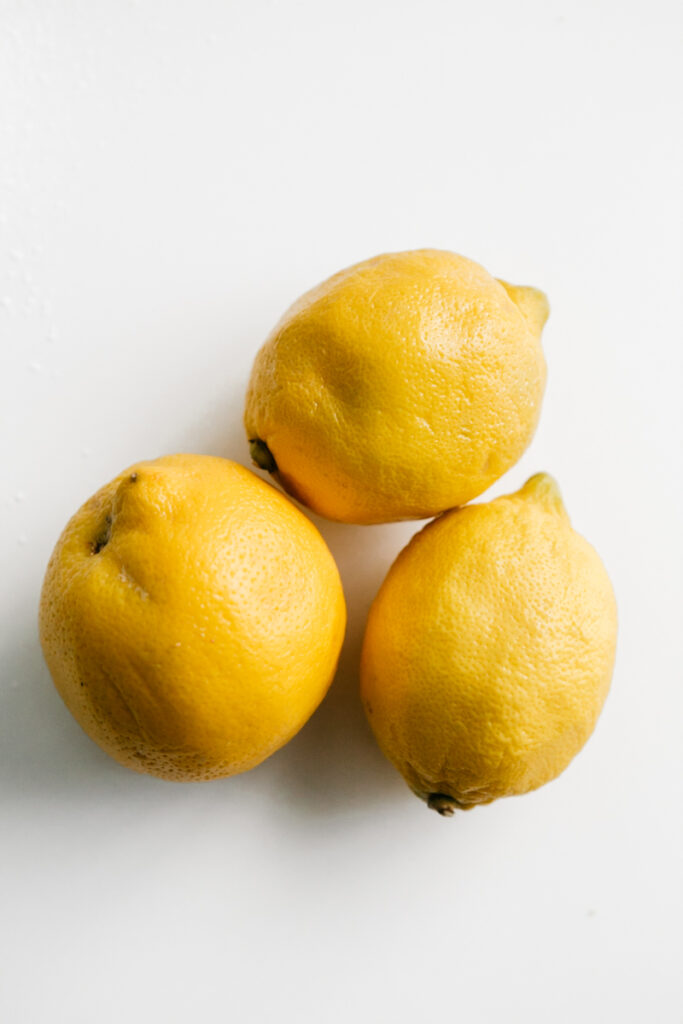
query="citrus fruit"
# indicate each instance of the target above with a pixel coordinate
(398, 388)
(489, 648)
(191, 618)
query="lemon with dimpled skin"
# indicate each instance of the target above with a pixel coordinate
(489, 650)
(191, 618)
(400, 387)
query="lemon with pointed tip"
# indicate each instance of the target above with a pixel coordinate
(489, 649)
(191, 618)
(398, 388)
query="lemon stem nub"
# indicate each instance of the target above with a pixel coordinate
(543, 488)
(261, 455)
(443, 804)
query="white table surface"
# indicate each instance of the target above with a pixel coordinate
(172, 175)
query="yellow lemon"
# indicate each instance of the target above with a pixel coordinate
(191, 618)
(489, 650)
(400, 387)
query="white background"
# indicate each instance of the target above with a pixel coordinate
(172, 175)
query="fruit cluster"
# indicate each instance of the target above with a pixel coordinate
(192, 617)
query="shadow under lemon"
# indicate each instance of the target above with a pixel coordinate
(333, 765)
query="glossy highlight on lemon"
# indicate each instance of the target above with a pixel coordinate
(191, 618)
(489, 650)
(400, 387)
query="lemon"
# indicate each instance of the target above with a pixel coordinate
(489, 650)
(400, 387)
(191, 618)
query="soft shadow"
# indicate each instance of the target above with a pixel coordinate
(334, 766)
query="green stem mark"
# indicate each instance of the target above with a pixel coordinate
(261, 455)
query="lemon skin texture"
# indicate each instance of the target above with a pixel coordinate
(191, 618)
(489, 650)
(400, 387)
